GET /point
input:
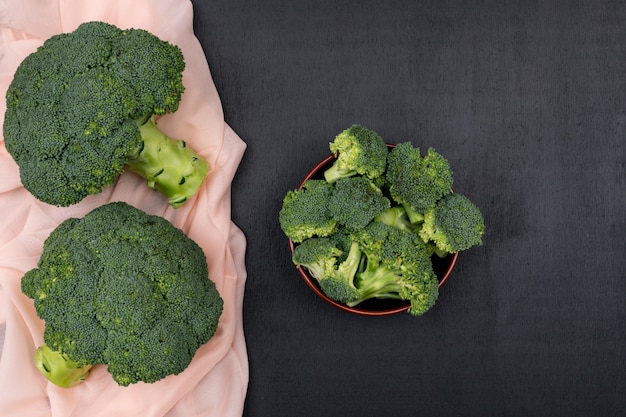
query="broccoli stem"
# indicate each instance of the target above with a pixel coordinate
(396, 216)
(334, 173)
(59, 369)
(351, 264)
(414, 216)
(168, 165)
(378, 282)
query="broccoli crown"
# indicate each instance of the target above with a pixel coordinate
(417, 182)
(73, 106)
(398, 266)
(305, 213)
(355, 201)
(339, 283)
(318, 255)
(127, 289)
(454, 224)
(358, 150)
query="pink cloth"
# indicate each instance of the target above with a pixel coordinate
(215, 383)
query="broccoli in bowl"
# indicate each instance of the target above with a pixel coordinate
(396, 232)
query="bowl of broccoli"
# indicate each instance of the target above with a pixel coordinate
(375, 227)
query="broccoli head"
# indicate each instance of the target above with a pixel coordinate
(397, 266)
(122, 288)
(415, 181)
(358, 150)
(318, 255)
(355, 201)
(339, 283)
(305, 213)
(81, 109)
(333, 267)
(454, 224)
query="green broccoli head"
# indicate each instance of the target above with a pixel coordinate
(355, 201)
(397, 266)
(454, 224)
(75, 108)
(339, 284)
(318, 255)
(415, 181)
(358, 150)
(124, 288)
(304, 212)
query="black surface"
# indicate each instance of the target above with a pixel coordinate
(527, 100)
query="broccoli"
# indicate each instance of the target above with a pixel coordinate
(60, 368)
(369, 234)
(304, 212)
(417, 182)
(355, 201)
(122, 288)
(381, 262)
(81, 110)
(396, 216)
(398, 266)
(320, 256)
(454, 224)
(358, 151)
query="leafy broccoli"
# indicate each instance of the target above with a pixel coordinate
(355, 201)
(358, 150)
(122, 288)
(80, 110)
(398, 266)
(305, 213)
(417, 182)
(454, 224)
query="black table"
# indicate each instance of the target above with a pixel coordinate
(527, 100)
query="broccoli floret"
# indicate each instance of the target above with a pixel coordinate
(122, 288)
(81, 109)
(358, 150)
(417, 182)
(333, 267)
(339, 284)
(398, 266)
(318, 255)
(454, 224)
(305, 213)
(355, 201)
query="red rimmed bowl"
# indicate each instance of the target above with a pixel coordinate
(374, 307)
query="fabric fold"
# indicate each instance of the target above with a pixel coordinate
(216, 381)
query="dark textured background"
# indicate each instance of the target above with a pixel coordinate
(527, 100)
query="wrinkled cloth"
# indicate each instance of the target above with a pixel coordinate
(215, 383)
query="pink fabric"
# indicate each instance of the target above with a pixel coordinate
(215, 383)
